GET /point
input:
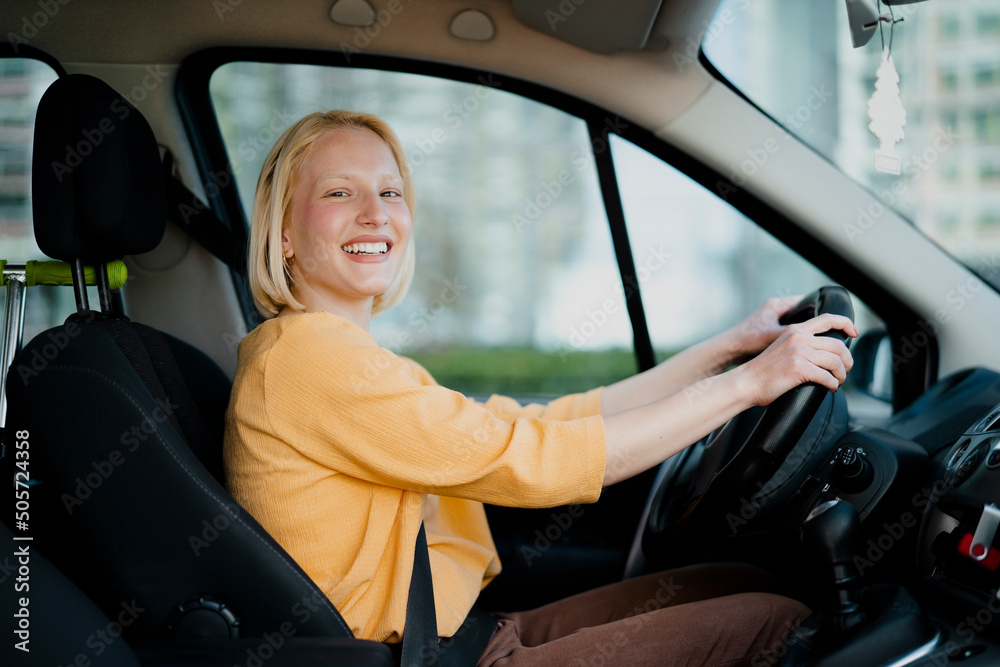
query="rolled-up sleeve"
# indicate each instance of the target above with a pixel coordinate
(362, 411)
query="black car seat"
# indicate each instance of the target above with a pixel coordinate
(57, 611)
(125, 422)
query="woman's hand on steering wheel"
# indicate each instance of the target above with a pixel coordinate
(760, 328)
(799, 355)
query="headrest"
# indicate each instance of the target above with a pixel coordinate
(97, 181)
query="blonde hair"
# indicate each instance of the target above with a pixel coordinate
(269, 277)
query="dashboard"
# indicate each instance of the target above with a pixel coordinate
(926, 487)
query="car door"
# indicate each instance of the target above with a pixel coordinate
(554, 254)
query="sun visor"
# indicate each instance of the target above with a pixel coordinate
(601, 26)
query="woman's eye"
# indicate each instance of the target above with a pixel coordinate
(392, 193)
(336, 193)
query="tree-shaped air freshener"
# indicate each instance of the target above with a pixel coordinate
(887, 114)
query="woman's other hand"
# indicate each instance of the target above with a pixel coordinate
(760, 328)
(798, 355)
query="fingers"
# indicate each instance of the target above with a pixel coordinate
(784, 304)
(826, 322)
(836, 367)
(775, 308)
(826, 361)
(826, 343)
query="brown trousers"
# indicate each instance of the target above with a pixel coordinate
(702, 615)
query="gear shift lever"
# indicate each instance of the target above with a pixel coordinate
(888, 626)
(830, 533)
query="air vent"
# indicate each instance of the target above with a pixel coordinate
(968, 465)
(991, 422)
(958, 452)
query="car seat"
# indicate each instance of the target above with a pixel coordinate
(125, 422)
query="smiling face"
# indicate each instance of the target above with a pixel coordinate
(349, 224)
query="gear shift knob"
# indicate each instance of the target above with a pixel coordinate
(830, 533)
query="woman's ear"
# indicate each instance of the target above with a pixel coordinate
(286, 245)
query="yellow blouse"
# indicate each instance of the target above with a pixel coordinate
(339, 448)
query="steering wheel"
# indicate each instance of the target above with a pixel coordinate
(699, 492)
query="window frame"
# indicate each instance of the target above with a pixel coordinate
(199, 119)
(11, 50)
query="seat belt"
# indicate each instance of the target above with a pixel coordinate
(195, 217)
(420, 637)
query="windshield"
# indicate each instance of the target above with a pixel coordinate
(795, 60)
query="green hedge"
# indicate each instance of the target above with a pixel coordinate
(524, 371)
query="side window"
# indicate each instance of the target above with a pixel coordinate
(517, 289)
(701, 264)
(24, 82)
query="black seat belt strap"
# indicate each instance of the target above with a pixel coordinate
(420, 637)
(195, 217)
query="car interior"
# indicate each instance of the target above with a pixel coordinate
(600, 184)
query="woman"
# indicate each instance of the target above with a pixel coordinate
(341, 449)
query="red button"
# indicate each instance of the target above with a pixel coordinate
(992, 560)
(994, 460)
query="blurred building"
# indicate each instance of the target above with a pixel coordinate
(948, 58)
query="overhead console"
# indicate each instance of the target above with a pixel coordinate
(601, 26)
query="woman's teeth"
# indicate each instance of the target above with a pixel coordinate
(366, 248)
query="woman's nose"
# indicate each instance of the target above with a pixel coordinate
(373, 211)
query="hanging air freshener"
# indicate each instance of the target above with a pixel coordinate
(887, 114)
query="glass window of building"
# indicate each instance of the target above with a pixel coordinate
(947, 59)
(988, 24)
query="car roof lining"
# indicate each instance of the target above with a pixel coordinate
(167, 33)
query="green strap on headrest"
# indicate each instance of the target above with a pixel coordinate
(52, 272)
